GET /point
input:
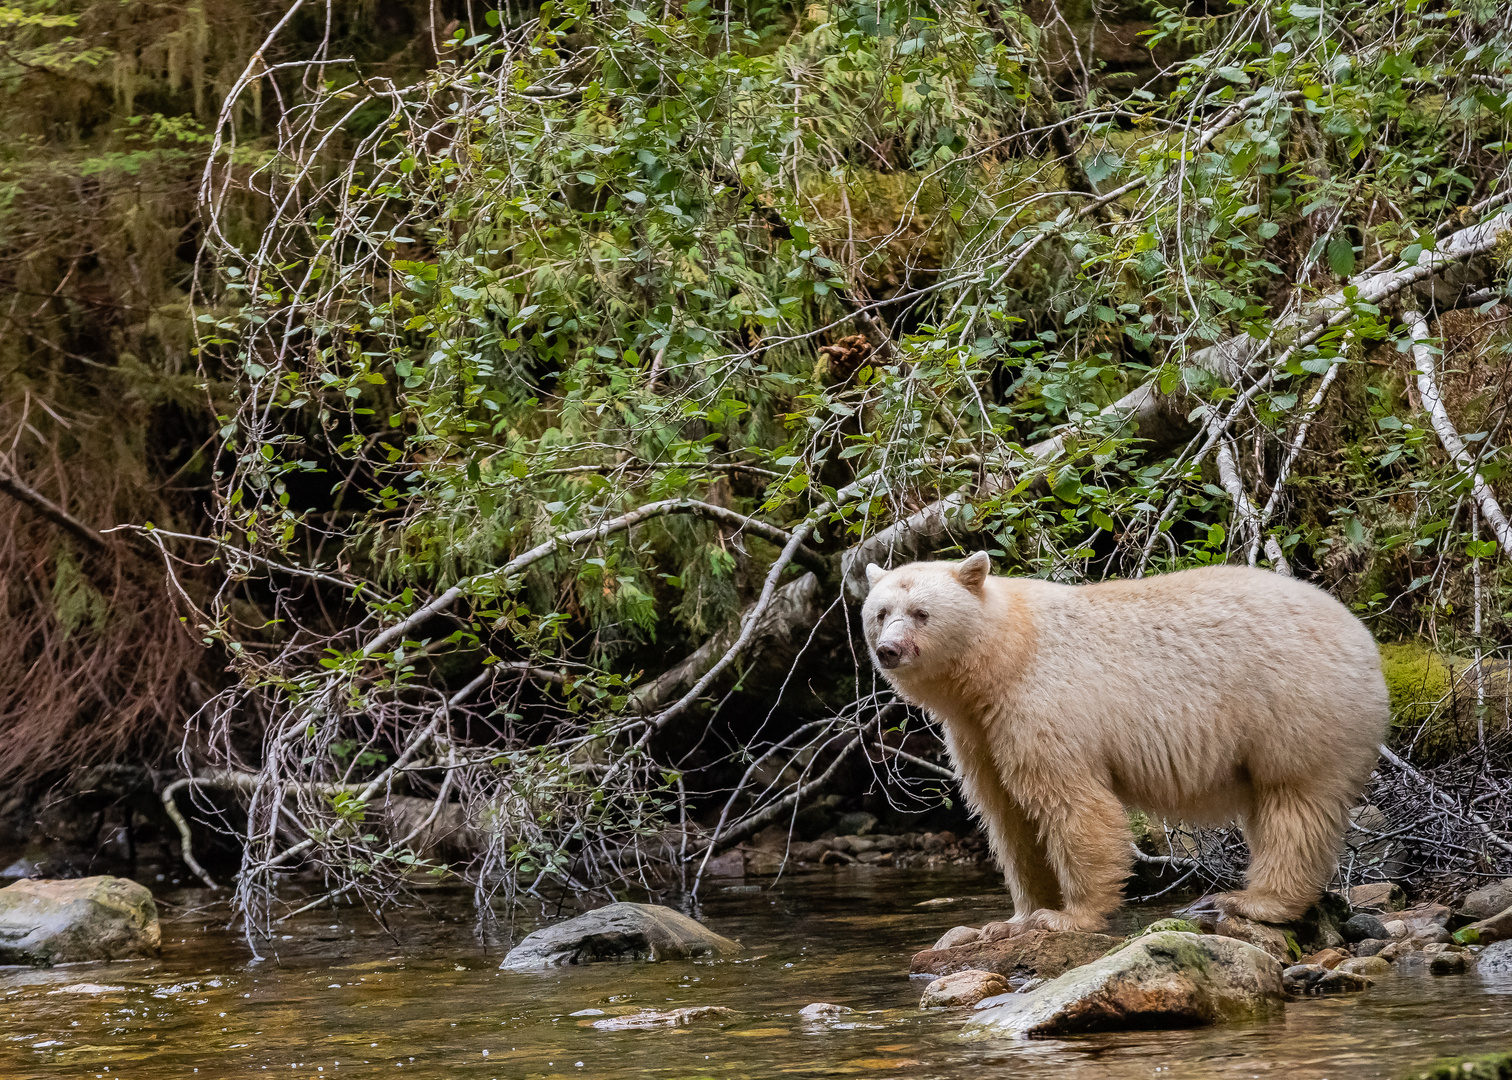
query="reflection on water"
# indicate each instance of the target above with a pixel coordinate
(341, 998)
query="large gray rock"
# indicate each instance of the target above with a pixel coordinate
(1488, 900)
(1494, 964)
(618, 932)
(1163, 980)
(1045, 953)
(59, 922)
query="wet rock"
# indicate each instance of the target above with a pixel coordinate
(808, 852)
(618, 932)
(1165, 980)
(1328, 958)
(835, 857)
(671, 1018)
(1396, 929)
(819, 1010)
(1035, 952)
(1449, 963)
(1495, 962)
(21, 868)
(729, 864)
(1300, 978)
(1399, 949)
(1378, 896)
(1431, 935)
(853, 845)
(1424, 916)
(1362, 926)
(962, 989)
(1369, 966)
(934, 843)
(1488, 931)
(960, 935)
(1371, 946)
(94, 918)
(762, 863)
(1317, 979)
(1342, 982)
(1488, 900)
(1272, 939)
(857, 823)
(1319, 926)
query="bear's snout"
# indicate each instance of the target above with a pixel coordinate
(889, 655)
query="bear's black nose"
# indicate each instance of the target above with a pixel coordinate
(889, 655)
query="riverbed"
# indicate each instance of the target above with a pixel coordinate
(335, 995)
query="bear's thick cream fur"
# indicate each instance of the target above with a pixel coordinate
(1213, 695)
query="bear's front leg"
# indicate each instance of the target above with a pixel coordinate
(1087, 841)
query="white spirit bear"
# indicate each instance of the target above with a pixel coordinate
(1209, 696)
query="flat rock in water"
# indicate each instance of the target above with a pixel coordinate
(1046, 953)
(962, 989)
(643, 1021)
(94, 918)
(1166, 980)
(1488, 900)
(618, 932)
(822, 1009)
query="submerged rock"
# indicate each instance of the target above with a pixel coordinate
(1369, 966)
(962, 989)
(1449, 963)
(821, 1009)
(1168, 979)
(1317, 979)
(94, 918)
(1045, 953)
(670, 1018)
(1488, 900)
(1484, 1067)
(618, 932)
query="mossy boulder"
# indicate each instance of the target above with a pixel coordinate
(59, 922)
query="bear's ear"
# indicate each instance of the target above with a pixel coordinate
(973, 571)
(874, 573)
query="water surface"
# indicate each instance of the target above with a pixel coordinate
(339, 997)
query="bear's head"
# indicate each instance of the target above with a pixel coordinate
(921, 617)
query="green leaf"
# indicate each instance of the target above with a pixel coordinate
(1341, 258)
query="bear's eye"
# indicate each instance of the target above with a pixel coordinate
(922, 616)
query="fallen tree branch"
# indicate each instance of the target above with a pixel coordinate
(1448, 435)
(27, 495)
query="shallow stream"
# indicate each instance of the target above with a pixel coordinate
(338, 997)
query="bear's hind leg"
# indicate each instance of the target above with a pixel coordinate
(1294, 847)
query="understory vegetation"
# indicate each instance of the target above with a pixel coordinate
(475, 422)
